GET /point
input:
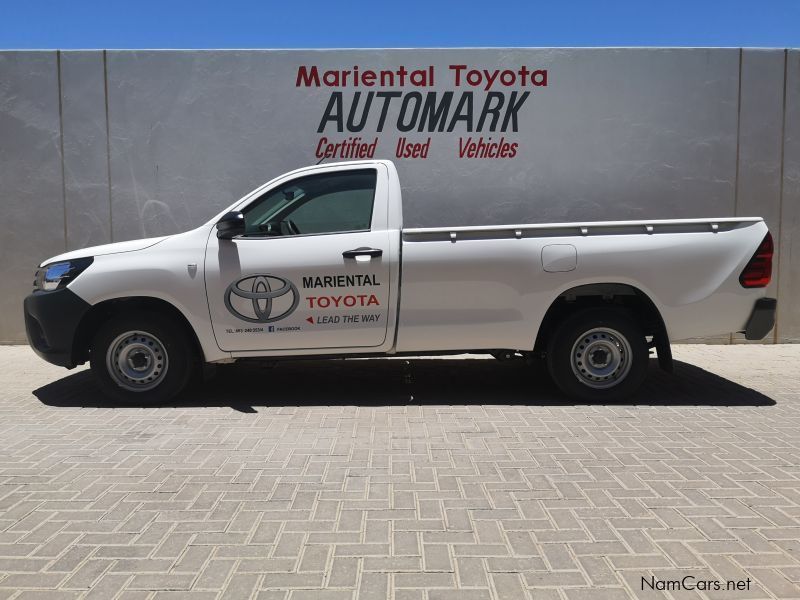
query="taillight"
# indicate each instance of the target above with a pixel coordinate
(758, 271)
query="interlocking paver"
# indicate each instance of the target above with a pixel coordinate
(412, 479)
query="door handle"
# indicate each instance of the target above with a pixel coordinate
(363, 251)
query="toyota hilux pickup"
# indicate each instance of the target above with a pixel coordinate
(317, 263)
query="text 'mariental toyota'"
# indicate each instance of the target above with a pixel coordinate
(317, 262)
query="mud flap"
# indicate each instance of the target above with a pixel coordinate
(664, 351)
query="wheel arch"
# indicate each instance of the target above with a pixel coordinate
(610, 294)
(103, 311)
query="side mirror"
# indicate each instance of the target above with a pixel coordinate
(230, 225)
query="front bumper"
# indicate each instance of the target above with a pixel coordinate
(51, 321)
(762, 319)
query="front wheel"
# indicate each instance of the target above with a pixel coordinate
(598, 354)
(141, 358)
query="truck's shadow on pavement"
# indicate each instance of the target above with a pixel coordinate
(381, 382)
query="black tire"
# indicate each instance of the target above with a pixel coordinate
(627, 366)
(171, 350)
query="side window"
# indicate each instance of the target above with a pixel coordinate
(328, 203)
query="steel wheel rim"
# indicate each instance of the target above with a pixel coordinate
(601, 358)
(137, 361)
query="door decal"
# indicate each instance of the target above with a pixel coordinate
(262, 298)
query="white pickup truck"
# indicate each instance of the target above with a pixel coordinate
(317, 262)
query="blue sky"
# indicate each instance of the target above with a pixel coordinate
(398, 23)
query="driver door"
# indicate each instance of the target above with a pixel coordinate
(312, 269)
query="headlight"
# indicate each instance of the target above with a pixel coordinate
(58, 275)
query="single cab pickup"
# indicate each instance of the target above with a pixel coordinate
(317, 262)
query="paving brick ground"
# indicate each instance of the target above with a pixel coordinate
(410, 480)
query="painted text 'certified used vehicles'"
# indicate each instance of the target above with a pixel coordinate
(317, 262)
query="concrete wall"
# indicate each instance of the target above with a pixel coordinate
(108, 146)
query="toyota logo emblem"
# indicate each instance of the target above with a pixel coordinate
(261, 298)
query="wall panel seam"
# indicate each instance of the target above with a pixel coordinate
(108, 149)
(738, 143)
(780, 195)
(738, 136)
(61, 148)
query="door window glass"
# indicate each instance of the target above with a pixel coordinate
(326, 203)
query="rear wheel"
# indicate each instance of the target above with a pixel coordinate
(142, 358)
(598, 354)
